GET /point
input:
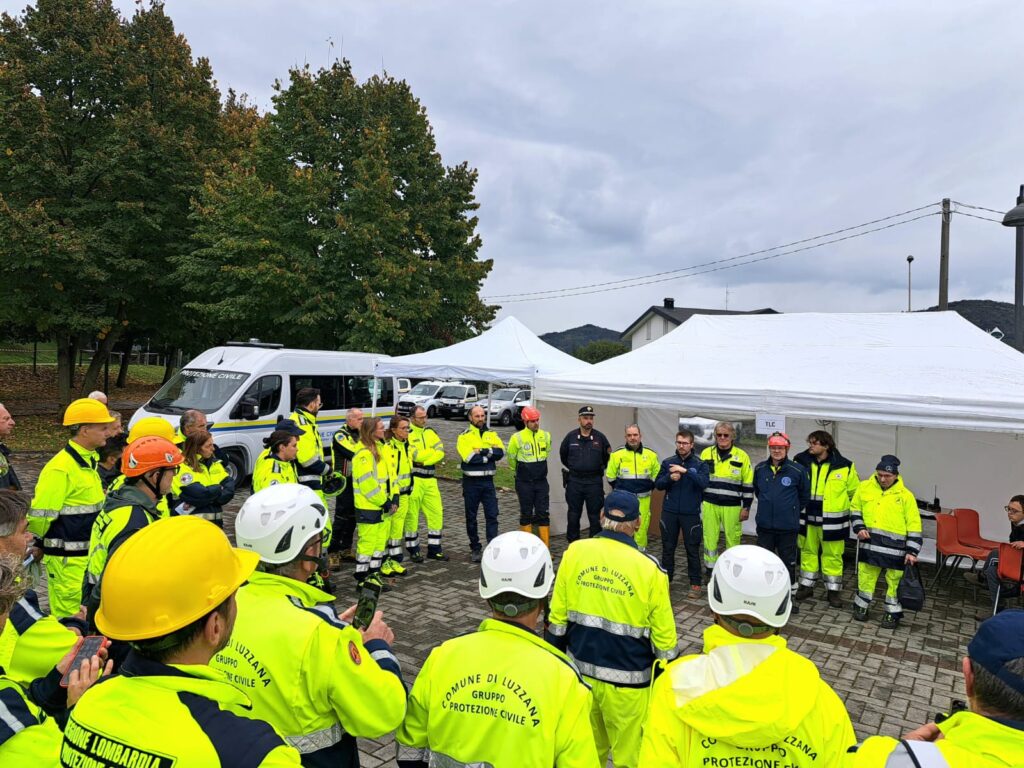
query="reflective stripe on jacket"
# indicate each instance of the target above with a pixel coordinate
(68, 495)
(310, 456)
(31, 642)
(471, 446)
(528, 453)
(426, 450)
(893, 520)
(403, 465)
(270, 470)
(732, 478)
(833, 483)
(374, 482)
(202, 491)
(633, 471)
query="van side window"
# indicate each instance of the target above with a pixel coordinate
(357, 392)
(266, 391)
(332, 390)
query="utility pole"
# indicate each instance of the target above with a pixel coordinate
(910, 260)
(944, 258)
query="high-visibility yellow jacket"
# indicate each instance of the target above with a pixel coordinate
(270, 470)
(67, 497)
(308, 673)
(501, 697)
(891, 517)
(344, 448)
(126, 510)
(426, 449)
(528, 453)
(611, 612)
(157, 714)
(732, 478)
(400, 455)
(633, 471)
(27, 736)
(741, 699)
(967, 740)
(202, 490)
(480, 451)
(310, 456)
(31, 643)
(833, 483)
(374, 483)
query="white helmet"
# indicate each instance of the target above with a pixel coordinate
(751, 581)
(517, 562)
(279, 521)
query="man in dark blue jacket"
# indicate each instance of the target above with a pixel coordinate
(683, 477)
(782, 488)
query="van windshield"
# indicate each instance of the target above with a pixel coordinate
(453, 391)
(202, 390)
(425, 389)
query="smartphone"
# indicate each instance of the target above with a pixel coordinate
(958, 706)
(366, 607)
(87, 648)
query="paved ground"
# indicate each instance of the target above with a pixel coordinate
(890, 681)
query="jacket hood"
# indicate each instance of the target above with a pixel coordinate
(749, 693)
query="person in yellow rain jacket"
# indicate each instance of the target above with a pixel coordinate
(528, 451)
(202, 485)
(612, 615)
(149, 426)
(888, 528)
(68, 496)
(747, 699)
(427, 452)
(729, 494)
(310, 674)
(480, 450)
(989, 733)
(169, 591)
(501, 697)
(375, 488)
(398, 443)
(276, 464)
(634, 468)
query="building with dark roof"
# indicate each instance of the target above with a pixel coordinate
(656, 321)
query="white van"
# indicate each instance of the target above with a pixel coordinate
(244, 388)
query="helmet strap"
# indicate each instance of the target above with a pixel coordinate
(746, 628)
(155, 490)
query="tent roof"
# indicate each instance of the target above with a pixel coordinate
(930, 369)
(508, 351)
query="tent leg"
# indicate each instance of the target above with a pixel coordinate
(490, 386)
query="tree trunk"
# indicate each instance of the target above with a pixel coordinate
(169, 363)
(92, 373)
(74, 344)
(65, 363)
(122, 372)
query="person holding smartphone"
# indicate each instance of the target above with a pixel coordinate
(318, 680)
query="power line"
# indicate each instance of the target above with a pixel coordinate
(705, 264)
(978, 207)
(975, 216)
(602, 288)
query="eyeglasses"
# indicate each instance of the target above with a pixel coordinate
(1014, 510)
(683, 442)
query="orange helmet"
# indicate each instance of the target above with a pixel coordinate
(531, 414)
(149, 453)
(778, 438)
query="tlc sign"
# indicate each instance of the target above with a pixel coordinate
(770, 422)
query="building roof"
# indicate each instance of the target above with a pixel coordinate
(679, 315)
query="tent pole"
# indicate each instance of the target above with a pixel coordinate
(490, 386)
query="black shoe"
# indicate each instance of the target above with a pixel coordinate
(476, 555)
(976, 580)
(803, 592)
(860, 613)
(416, 557)
(890, 621)
(795, 609)
(834, 599)
(441, 557)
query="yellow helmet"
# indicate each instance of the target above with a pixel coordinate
(169, 574)
(84, 410)
(151, 426)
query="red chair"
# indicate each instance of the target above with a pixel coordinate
(1011, 568)
(949, 549)
(968, 530)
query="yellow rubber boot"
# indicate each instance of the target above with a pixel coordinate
(526, 528)
(545, 535)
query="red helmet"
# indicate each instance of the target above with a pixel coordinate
(531, 414)
(778, 438)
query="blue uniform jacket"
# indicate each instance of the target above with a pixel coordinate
(781, 495)
(683, 496)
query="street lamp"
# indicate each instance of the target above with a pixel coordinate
(910, 260)
(1015, 218)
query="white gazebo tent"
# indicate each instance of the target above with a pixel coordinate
(506, 352)
(944, 396)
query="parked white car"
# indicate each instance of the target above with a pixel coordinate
(426, 393)
(503, 403)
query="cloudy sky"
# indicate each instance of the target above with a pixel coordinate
(616, 141)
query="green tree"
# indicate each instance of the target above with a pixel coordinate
(596, 351)
(344, 229)
(106, 127)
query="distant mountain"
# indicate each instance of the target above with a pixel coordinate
(569, 340)
(985, 314)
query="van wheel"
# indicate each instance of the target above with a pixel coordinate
(431, 412)
(235, 465)
(506, 419)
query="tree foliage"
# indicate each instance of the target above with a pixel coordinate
(340, 228)
(596, 351)
(106, 127)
